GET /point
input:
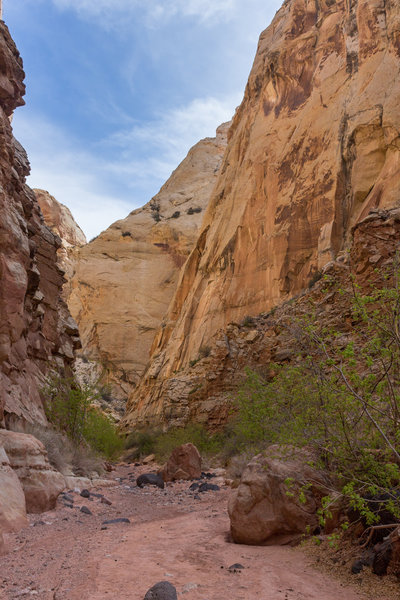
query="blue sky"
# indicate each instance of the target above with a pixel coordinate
(119, 90)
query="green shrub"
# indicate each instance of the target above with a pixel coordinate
(142, 442)
(68, 407)
(100, 433)
(162, 444)
(342, 398)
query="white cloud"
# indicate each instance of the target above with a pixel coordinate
(74, 176)
(156, 12)
(104, 183)
(169, 136)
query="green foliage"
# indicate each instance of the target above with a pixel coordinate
(162, 444)
(342, 397)
(100, 433)
(69, 409)
(142, 442)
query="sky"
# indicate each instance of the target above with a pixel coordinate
(119, 90)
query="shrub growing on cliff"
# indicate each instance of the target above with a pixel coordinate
(342, 397)
(69, 409)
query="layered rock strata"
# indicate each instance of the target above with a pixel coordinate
(126, 277)
(36, 329)
(12, 498)
(312, 149)
(28, 458)
(59, 219)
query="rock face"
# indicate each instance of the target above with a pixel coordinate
(312, 149)
(125, 278)
(273, 503)
(12, 498)
(61, 222)
(35, 326)
(184, 463)
(28, 459)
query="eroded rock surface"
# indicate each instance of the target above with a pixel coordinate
(28, 459)
(184, 463)
(277, 498)
(35, 327)
(61, 222)
(312, 149)
(12, 498)
(125, 278)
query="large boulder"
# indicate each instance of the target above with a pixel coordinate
(277, 498)
(12, 498)
(28, 458)
(184, 463)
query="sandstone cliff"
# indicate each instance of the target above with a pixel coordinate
(126, 277)
(312, 149)
(36, 329)
(61, 222)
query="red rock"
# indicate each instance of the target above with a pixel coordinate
(184, 463)
(12, 498)
(271, 504)
(28, 458)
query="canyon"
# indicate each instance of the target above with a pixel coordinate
(290, 206)
(121, 283)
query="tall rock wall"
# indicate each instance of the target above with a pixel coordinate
(36, 329)
(314, 146)
(59, 219)
(124, 280)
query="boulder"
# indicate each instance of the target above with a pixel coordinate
(12, 498)
(150, 479)
(184, 463)
(163, 590)
(277, 498)
(28, 458)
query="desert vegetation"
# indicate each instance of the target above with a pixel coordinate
(69, 408)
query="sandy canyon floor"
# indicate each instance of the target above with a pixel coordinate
(67, 554)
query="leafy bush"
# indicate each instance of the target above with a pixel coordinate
(342, 398)
(162, 444)
(69, 409)
(142, 442)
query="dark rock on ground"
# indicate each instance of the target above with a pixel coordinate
(150, 479)
(163, 590)
(86, 510)
(236, 567)
(119, 520)
(85, 494)
(194, 486)
(357, 567)
(68, 498)
(208, 487)
(207, 475)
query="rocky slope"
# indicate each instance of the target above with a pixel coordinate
(312, 149)
(36, 329)
(61, 222)
(125, 278)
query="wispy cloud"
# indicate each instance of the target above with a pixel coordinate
(169, 136)
(154, 11)
(103, 183)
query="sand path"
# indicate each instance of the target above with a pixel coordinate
(68, 555)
